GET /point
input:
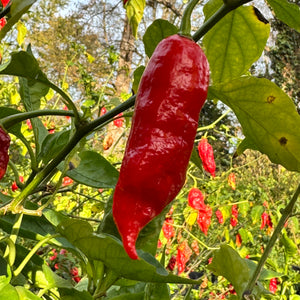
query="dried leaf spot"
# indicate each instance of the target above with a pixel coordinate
(283, 141)
(271, 99)
(260, 16)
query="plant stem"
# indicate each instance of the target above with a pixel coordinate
(185, 26)
(31, 253)
(217, 16)
(11, 120)
(212, 125)
(286, 213)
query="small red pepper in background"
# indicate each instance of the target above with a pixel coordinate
(171, 94)
(168, 229)
(67, 181)
(4, 157)
(4, 2)
(219, 216)
(171, 263)
(103, 111)
(234, 211)
(273, 285)
(14, 186)
(231, 181)
(195, 247)
(184, 253)
(29, 125)
(264, 218)
(107, 141)
(233, 221)
(196, 199)
(238, 240)
(204, 219)
(206, 154)
(120, 121)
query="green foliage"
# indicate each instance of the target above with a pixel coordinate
(268, 118)
(62, 165)
(235, 43)
(156, 32)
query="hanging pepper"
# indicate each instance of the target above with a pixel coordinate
(264, 218)
(204, 219)
(219, 216)
(273, 285)
(184, 253)
(168, 229)
(171, 94)
(196, 199)
(4, 157)
(206, 154)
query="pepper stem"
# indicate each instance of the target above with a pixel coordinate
(185, 25)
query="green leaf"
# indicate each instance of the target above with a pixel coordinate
(235, 43)
(31, 93)
(73, 294)
(52, 144)
(108, 249)
(137, 74)
(290, 248)
(9, 292)
(256, 212)
(196, 159)
(53, 280)
(7, 111)
(265, 274)
(26, 294)
(135, 10)
(36, 228)
(228, 263)
(268, 117)
(135, 296)
(156, 32)
(211, 7)
(94, 170)
(17, 9)
(287, 12)
(155, 291)
(23, 64)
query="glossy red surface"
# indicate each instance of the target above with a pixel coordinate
(171, 94)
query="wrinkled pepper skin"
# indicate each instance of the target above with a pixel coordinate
(4, 157)
(171, 94)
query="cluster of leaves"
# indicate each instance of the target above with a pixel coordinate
(63, 186)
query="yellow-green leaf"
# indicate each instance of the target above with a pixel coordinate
(235, 43)
(22, 30)
(268, 117)
(135, 10)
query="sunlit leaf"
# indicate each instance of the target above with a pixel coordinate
(135, 11)
(235, 43)
(110, 250)
(268, 117)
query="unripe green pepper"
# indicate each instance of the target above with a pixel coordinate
(171, 94)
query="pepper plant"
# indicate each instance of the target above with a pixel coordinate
(233, 36)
